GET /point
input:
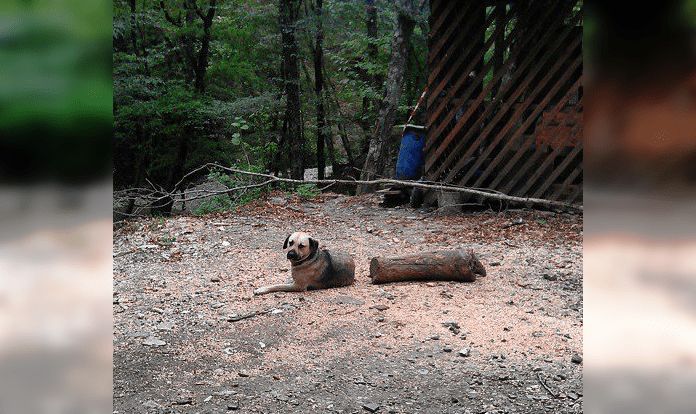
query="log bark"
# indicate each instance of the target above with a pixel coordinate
(455, 265)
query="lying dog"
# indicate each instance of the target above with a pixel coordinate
(313, 268)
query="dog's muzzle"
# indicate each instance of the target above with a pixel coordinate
(292, 255)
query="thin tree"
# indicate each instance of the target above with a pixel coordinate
(196, 61)
(374, 81)
(379, 144)
(319, 90)
(287, 16)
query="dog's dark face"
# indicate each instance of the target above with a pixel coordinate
(299, 246)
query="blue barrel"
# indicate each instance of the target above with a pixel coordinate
(409, 165)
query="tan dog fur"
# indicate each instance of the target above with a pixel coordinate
(312, 268)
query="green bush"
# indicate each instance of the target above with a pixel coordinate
(215, 204)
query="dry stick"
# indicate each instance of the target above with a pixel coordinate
(416, 184)
(546, 387)
(237, 318)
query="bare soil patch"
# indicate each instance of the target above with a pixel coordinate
(190, 337)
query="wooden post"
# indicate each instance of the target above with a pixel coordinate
(455, 265)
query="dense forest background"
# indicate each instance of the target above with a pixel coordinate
(263, 85)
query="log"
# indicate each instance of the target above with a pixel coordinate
(453, 265)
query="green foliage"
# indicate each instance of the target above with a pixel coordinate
(167, 239)
(215, 204)
(238, 119)
(307, 191)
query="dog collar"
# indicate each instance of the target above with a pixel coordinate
(311, 256)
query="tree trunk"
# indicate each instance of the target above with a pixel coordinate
(165, 204)
(319, 90)
(201, 67)
(457, 265)
(379, 145)
(288, 12)
(376, 81)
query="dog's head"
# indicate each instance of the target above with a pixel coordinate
(299, 246)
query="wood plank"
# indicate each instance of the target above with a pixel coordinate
(506, 106)
(540, 170)
(532, 160)
(528, 142)
(557, 171)
(463, 76)
(532, 117)
(453, 69)
(573, 197)
(502, 93)
(563, 186)
(442, 17)
(457, 24)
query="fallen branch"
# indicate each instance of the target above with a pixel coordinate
(546, 387)
(236, 318)
(270, 179)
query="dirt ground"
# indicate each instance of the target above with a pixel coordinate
(190, 337)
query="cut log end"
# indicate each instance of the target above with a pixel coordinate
(455, 265)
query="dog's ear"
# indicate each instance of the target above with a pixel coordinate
(313, 244)
(285, 244)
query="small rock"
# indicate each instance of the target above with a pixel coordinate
(208, 398)
(183, 401)
(431, 284)
(158, 310)
(215, 279)
(165, 326)
(495, 263)
(151, 404)
(153, 341)
(225, 243)
(435, 337)
(371, 407)
(380, 307)
(446, 348)
(242, 374)
(217, 305)
(233, 406)
(550, 276)
(576, 359)
(465, 352)
(380, 319)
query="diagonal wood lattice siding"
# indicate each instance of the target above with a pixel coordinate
(504, 105)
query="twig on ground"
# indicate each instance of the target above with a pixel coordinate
(236, 318)
(546, 387)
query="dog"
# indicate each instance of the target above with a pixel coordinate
(312, 267)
